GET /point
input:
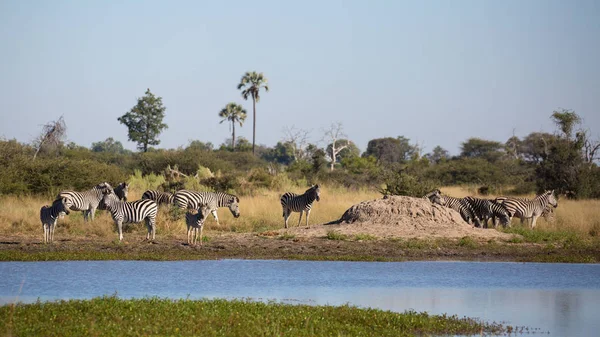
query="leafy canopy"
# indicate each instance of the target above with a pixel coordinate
(145, 121)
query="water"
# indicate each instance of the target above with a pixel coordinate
(563, 299)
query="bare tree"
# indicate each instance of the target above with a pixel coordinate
(51, 136)
(590, 147)
(298, 138)
(334, 135)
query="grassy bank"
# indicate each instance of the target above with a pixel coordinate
(110, 316)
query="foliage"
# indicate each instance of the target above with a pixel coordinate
(251, 84)
(111, 316)
(142, 183)
(390, 150)
(108, 145)
(401, 183)
(481, 148)
(233, 113)
(437, 155)
(145, 121)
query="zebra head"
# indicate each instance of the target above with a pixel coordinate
(552, 198)
(122, 190)
(234, 206)
(438, 199)
(315, 191)
(63, 205)
(109, 199)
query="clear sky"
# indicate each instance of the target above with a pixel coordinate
(437, 72)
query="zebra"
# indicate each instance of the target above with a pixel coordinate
(50, 214)
(86, 201)
(429, 196)
(130, 212)
(292, 202)
(548, 213)
(525, 208)
(122, 190)
(213, 200)
(195, 222)
(161, 198)
(485, 209)
(458, 204)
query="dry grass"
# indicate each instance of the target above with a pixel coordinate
(261, 212)
(581, 216)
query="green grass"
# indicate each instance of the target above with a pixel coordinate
(111, 316)
(333, 235)
(364, 237)
(564, 238)
(467, 242)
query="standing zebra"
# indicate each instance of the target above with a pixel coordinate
(86, 201)
(213, 200)
(458, 204)
(195, 222)
(122, 190)
(485, 209)
(50, 214)
(161, 198)
(292, 202)
(130, 212)
(525, 208)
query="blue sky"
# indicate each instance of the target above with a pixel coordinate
(437, 72)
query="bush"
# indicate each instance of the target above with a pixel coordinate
(400, 183)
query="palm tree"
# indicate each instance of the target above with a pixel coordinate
(234, 113)
(251, 83)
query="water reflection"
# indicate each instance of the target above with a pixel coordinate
(560, 298)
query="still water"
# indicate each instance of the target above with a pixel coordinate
(562, 299)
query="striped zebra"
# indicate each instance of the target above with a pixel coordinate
(50, 214)
(548, 213)
(525, 208)
(161, 198)
(195, 222)
(86, 201)
(213, 200)
(485, 209)
(131, 212)
(429, 196)
(292, 202)
(458, 204)
(122, 190)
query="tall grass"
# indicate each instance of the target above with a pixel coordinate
(260, 212)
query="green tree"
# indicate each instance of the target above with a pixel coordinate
(145, 121)
(566, 121)
(438, 154)
(481, 148)
(109, 145)
(233, 113)
(390, 150)
(250, 84)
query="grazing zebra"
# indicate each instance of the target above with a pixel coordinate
(429, 196)
(86, 201)
(130, 212)
(485, 209)
(122, 190)
(161, 198)
(458, 204)
(213, 200)
(195, 222)
(50, 214)
(525, 208)
(292, 202)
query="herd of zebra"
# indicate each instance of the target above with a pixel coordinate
(501, 210)
(198, 204)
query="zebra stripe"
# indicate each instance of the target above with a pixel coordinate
(49, 215)
(131, 212)
(292, 202)
(122, 190)
(429, 196)
(485, 209)
(86, 201)
(213, 200)
(195, 222)
(458, 204)
(525, 208)
(161, 198)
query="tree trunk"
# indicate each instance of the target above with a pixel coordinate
(254, 125)
(233, 137)
(332, 155)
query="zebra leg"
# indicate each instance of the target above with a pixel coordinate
(307, 215)
(120, 228)
(92, 212)
(214, 214)
(188, 234)
(201, 228)
(299, 219)
(45, 233)
(533, 220)
(52, 225)
(286, 216)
